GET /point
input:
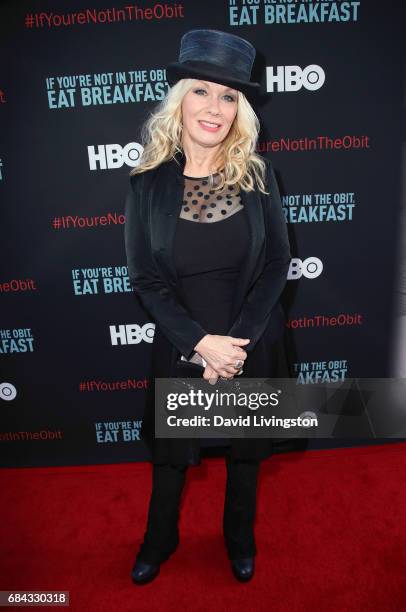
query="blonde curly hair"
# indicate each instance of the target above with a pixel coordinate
(239, 164)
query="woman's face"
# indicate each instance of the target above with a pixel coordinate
(208, 102)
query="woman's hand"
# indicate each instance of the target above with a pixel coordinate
(221, 353)
(210, 375)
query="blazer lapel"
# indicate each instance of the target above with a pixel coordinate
(251, 268)
(166, 198)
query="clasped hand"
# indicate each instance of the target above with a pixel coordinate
(221, 353)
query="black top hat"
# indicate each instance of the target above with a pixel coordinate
(215, 56)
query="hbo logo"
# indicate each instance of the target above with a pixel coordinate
(8, 391)
(293, 78)
(311, 267)
(132, 333)
(114, 155)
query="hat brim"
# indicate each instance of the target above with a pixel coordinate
(177, 70)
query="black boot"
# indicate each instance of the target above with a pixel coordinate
(161, 537)
(144, 572)
(243, 569)
(239, 516)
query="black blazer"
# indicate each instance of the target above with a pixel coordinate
(151, 210)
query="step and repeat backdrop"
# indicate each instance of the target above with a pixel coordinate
(77, 81)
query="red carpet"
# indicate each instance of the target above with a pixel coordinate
(330, 532)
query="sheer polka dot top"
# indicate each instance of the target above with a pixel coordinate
(204, 205)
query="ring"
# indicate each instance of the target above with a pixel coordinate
(238, 364)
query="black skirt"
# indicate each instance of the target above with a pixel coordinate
(272, 360)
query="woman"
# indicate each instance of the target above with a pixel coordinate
(208, 254)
